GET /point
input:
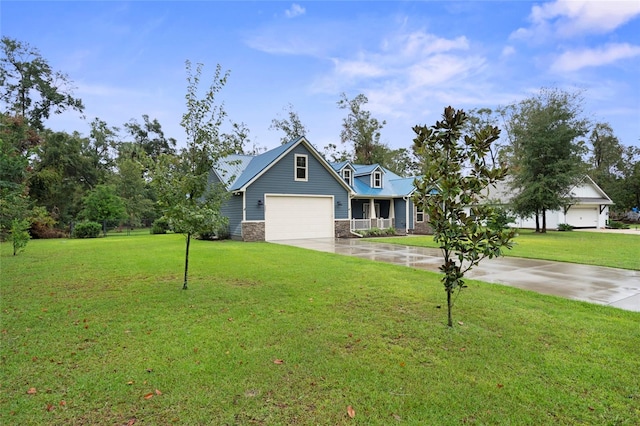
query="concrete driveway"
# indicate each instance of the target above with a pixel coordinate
(606, 286)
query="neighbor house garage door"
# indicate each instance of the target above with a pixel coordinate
(296, 217)
(583, 217)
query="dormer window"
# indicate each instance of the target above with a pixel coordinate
(346, 174)
(300, 168)
(377, 179)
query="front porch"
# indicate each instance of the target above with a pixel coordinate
(369, 213)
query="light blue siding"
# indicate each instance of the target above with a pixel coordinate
(232, 209)
(279, 179)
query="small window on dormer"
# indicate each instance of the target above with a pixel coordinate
(346, 174)
(301, 167)
(377, 179)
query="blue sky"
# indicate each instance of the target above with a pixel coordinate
(411, 59)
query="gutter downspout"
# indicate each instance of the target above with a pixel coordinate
(406, 214)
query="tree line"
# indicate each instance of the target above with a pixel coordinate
(49, 179)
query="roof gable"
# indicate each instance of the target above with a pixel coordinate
(250, 168)
(584, 192)
(362, 169)
(339, 167)
(588, 192)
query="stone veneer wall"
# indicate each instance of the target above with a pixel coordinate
(422, 228)
(252, 231)
(342, 228)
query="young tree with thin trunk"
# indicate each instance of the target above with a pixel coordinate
(190, 202)
(456, 175)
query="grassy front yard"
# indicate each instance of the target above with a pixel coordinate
(99, 332)
(589, 248)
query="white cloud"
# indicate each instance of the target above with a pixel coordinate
(577, 59)
(407, 71)
(508, 51)
(357, 68)
(419, 43)
(294, 10)
(442, 69)
(567, 18)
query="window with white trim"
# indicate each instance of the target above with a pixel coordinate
(301, 167)
(419, 215)
(377, 180)
(346, 174)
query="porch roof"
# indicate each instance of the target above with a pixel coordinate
(391, 188)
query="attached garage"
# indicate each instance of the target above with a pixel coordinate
(289, 217)
(583, 217)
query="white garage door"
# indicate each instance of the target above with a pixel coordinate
(583, 217)
(296, 217)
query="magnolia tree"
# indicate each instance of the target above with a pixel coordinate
(190, 202)
(453, 191)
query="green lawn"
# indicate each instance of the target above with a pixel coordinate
(95, 327)
(589, 248)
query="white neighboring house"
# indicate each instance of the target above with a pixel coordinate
(589, 206)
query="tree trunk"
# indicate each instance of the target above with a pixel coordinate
(186, 262)
(544, 221)
(449, 319)
(537, 222)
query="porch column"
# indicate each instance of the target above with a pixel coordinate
(406, 213)
(372, 209)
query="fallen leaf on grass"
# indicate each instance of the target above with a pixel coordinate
(463, 349)
(149, 395)
(130, 382)
(460, 322)
(500, 385)
(63, 403)
(131, 422)
(351, 412)
(158, 392)
(397, 417)
(278, 361)
(50, 407)
(32, 391)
